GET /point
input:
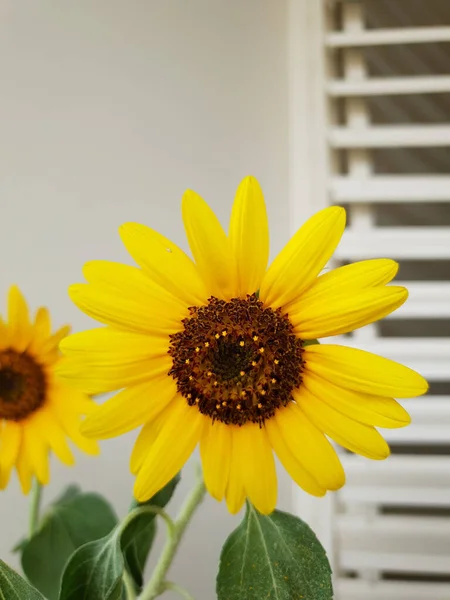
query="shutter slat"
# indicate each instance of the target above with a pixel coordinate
(397, 242)
(352, 589)
(391, 562)
(394, 543)
(400, 469)
(431, 435)
(402, 480)
(390, 136)
(387, 36)
(413, 495)
(381, 86)
(427, 300)
(391, 188)
(428, 409)
(430, 422)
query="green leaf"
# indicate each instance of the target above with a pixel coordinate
(137, 538)
(70, 522)
(68, 494)
(18, 548)
(13, 587)
(276, 557)
(138, 541)
(94, 571)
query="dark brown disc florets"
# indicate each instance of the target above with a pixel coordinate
(237, 361)
(22, 385)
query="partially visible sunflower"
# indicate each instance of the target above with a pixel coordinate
(38, 410)
(214, 352)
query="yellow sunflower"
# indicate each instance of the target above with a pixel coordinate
(213, 351)
(37, 409)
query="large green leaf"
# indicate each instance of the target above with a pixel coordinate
(68, 494)
(137, 538)
(70, 522)
(274, 557)
(95, 571)
(13, 587)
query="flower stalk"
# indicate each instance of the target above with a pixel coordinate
(35, 507)
(157, 584)
(128, 584)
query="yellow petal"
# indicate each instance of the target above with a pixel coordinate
(42, 325)
(130, 282)
(365, 408)
(363, 372)
(95, 376)
(215, 452)
(36, 450)
(64, 404)
(164, 262)
(144, 440)
(298, 264)
(298, 473)
(112, 344)
(52, 343)
(127, 280)
(130, 408)
(358, 275)
(257, 466)
(179, 434)
(5, 475)
(210, 246)
(344, 312)
(73, 400)
(235, 494)
(10, 444)
(4, 335)
(53, 433)
(143, 314)
(310, 447)
(350, 434)
(24, 471)
(249, 236)
(47, 351)
(19, 319)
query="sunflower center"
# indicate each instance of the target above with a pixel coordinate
(22, 385)
(237, 361)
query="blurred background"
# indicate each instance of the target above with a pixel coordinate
(110, 109)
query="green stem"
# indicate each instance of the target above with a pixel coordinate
(141, 510)
(174, 587)
(127, 580)
(35, 505)
(157, 584)
(129, 586)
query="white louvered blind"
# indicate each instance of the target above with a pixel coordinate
(385, 69)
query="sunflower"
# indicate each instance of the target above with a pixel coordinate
(37, 409)
(215, 352)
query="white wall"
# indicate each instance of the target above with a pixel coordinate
(108, 111)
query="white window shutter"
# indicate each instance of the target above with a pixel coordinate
(370, 129)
